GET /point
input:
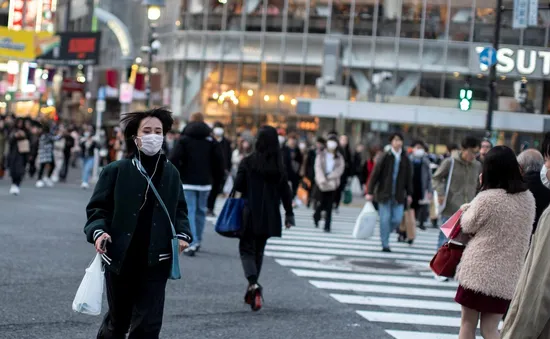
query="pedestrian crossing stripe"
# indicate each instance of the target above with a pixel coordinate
(408, 303)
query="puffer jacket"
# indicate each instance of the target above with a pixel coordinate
(501, 225)
(327, 182)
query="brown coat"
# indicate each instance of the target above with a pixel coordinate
(501, 225)
(327, 182)
(529, 313)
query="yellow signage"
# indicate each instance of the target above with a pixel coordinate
(25, 45)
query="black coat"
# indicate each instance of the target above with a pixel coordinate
(264, 196)
(293, 161)
(225, 146)
(198, 156)
(540, 192)
(115, 207)
(381, 182)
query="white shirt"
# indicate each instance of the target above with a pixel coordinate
(397, 154)
(329, 162)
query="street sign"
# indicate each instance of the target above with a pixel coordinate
(488, 56)
(100, 106)
(101, 93)
(126, 93)
(520, 14)
(533, 16)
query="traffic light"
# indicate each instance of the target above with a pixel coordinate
(465, 99)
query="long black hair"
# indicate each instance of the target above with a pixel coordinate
(267, 158)
(501, 170)
(131, 121)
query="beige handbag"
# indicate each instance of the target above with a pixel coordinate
(24, 146)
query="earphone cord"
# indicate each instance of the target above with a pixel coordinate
(154, 172)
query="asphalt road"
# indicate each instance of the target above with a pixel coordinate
(43, 254)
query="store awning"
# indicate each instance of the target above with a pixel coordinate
(25, 45)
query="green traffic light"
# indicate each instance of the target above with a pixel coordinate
(465, 99)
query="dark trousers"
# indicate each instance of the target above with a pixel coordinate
(422, 212)
(251, 249)
(43, 168)
(214, 192)
(294, 184)
(325, 204)
(65, 169)
(339, 191)
(136, 304)
(32, 167)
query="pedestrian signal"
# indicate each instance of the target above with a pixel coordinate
(465, 99)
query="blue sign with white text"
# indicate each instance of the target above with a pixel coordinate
(488, 56)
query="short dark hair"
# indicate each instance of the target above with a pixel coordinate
(545, 148)
(396, 135)
(501, 170)
(218, 124)
(470, 142)
(418, 142)
(131, 122)
(321, 140)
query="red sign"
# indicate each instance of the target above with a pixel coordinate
(82, 46)
(71, 85)
(18, 19)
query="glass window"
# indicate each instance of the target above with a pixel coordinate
(411, 18)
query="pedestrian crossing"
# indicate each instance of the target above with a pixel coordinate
(395, 290)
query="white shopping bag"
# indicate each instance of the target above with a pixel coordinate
(89, 296)
(366, 222)
(228, 186)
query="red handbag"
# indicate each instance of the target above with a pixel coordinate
(447, 258)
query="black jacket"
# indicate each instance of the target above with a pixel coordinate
(293, 161)
(115, 208)
(540, 192)
(381, 183)
(264, 196)
(198, 156)
(225, 146)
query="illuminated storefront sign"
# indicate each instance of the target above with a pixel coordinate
(75, 48)
(533, 63)
(24, 45)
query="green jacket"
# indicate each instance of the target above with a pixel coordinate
(114, 209)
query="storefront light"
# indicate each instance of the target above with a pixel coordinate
(215, 96)
(178, 23)
(250, 92)
(456, 74)
(139, 60)
(266, 98)
(222, 1)
(281, 97)
(293, 102)
(8, 97)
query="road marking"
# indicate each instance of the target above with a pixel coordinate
(422, 335)
(291, 255)
(396, 302)
(383, 289)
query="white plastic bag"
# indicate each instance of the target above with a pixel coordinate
(366, 222)
(89, 296)
(228, 186)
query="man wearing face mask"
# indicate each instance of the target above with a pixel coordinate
(200, 162)
(391, 182)
(422, 183)
(225, 146)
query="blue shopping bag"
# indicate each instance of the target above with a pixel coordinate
(230, 222)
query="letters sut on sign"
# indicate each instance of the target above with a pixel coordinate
(522, 61)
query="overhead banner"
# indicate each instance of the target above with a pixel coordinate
(75, 48)
(25, 45)
(520, 14)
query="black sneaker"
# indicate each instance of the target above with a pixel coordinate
(421, 226)
(210, 213)
(190, 251)
(386, 249)
(257, 299)
(327, 230)
(316, 223)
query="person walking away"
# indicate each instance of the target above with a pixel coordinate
(486, 146)
(19, 149)
(69, 144)
(329, 167)
(531, 162)
(35, 132)
(45, 158)
(422, 183)
(88, 145)
(262, 180)
(464, 180)
(499, 221)
(132, 234)
(391, 183)
(348, 171)
(58, 153)
(199, 160)
(217, 186)
(293, 161)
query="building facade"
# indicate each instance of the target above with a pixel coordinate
(364, 66)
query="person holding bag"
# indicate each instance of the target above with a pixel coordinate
(136, 216)
(263, 183)
(499, 221)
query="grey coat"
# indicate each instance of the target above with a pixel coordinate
(425, 176)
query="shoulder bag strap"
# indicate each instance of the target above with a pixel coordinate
(449, 178)
(146, 176)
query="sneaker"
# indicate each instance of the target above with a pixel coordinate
(257, 299)
(197, 247)
(48, 182)
(249, 295)
(84, 186)
(386, 249)
(190, 251)
(440, 278)
(210, 213)
(55, 179)
(316, 223)
(14, 190)
(421, 226)
(40, 184)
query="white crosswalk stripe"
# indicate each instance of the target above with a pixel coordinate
(395, 290)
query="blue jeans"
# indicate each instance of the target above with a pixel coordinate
(87, 168)
(391, 215)
(442, 238)
(196, 212)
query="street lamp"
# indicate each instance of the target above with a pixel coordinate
(153, 15)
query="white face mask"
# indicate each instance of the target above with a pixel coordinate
(543, 177)
(281, 140)
(302, 146)
(331, 145)
(151, 144)
(218, 131)
(419, 152)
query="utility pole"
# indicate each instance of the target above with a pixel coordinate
(493, 72)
